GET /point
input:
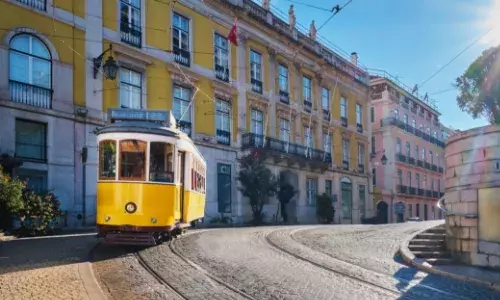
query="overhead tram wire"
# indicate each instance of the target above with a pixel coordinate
(336, 9)
(311, 6)
(453, 59)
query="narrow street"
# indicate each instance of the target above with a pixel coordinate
(297, 262)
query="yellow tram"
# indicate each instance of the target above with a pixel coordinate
(151, 178)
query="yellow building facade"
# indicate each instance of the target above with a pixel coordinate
(278, 90)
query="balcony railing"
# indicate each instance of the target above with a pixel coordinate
(30, 94)
(361, 169)
(434, 168)
(412, 191)
(222, 73)
(359, 127)
(308, 105)
(343, 121)
(402, 189)
(391, 121)
(411, 160)
(37, 4)
(400, 157)
(182, 56)
(252, 140)
(223, 137)
(435, 194)
(428, 193)
(427, 165)
(256, 85)
(420, 192)
(184, 126)
(441, 170)
(284, 97)
(130, 34)
(420, 163)
(345, 165)
(326, 115)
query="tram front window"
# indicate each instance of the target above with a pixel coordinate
(161, 164)
(107, 160)
(133, 160)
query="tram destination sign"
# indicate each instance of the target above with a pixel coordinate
(116, 114)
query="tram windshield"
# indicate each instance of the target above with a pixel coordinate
(161, 162)
(133, 160)
(107, 160)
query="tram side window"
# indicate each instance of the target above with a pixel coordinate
(132, 160)
(198, 177)
(107, 160)
(161, 162)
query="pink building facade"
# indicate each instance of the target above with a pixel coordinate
(406, 132)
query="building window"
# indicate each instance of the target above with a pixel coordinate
(361, 154)
(396, 114)
(308, 138)
(417, 154)
(405, 119)
(414, 123)
(31, 140)
(431, 156)
(438, 185)
(372, 114)
(424, 182)
(343, 107)
(410, 210)
(283, 78)
(359, 114)
(400, 177)
(438, 163)
(417, 179)
(325, 99)
(423, 155)
(408, 149)
(107, 160)
(132, 160)
(284, 130)
(374, 176)
(373, 145)
(428, 131)
(130, 22)
(328, 187)
(224, 188)
(311, 188)
(161, 164)
(180, 39)
(345, 150)
(306, 89)
(398, 145)
(257, 126)
(36, 4)
(182, 108)
(417, 209)
(30, 71)
(221, 57)
(35, 179)
(130, 89)
(223, 122)
(421, 128)
(256, 71)
(327, 142)
(362, 201)
(432, 184)
(408, 178)
(346, 188)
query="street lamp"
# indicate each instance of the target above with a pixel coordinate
(110, 67)
(384, 160)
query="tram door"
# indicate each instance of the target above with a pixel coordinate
(182, 166)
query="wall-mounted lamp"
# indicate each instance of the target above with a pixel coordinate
(110, 68)
(383, 160)
(82, 112)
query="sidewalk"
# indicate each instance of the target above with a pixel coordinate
(54, 267)
(475, 275)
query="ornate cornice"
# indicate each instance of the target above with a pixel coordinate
(223, 90)
(183, 77)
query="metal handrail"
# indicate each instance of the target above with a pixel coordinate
(440, 205)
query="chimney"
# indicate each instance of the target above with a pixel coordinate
(354, 58)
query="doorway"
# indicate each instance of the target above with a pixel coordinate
(382, 212)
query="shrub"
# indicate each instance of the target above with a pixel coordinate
(10, 198)
(324, 209)
(37, 213)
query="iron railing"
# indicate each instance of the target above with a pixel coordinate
(37, 4)
(223, 137)
(30, 94)
(392, 121)
(182, 56)
(130, 34)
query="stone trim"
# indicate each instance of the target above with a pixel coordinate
(132, 53)
(178, 78)
(19, 30)
(224, 91)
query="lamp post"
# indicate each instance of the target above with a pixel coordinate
(110, 67)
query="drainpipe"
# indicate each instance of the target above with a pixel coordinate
(84, 185)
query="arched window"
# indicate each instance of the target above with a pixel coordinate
(30, 71)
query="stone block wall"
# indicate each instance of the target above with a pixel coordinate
(472, 180)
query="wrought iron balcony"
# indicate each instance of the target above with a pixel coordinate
(130, 34)
(30, 94)
(182, 56)
(255, 141)
(435, 195)
(222, 72)
(392, 121)
(434, 168)
(427, 165)
(361, 168)
(37, 4)
(359, 127)
(411, 160)
(184, 126)
(345, 165)
(400, 157)
(414, 110)
(343, 121)
(412, 191)
(308, 105)
(223, 137)
(428, 193)
(420, 192)
(256, 85)
(441, 170)
(284, 97)
(420, 163)
(402, 189)
(326, 115)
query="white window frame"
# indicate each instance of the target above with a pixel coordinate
(361, 154)
(219, 51)
(359, 114)
(327, 142)
(398, 145)
(311, 190)
(283, 78)
(223, 115)
(396, 114)
(256, 66)
(188, 32)
(127, 85)
(188, 100)
(257, 117)
(343, 107)
(325, 98)
(408, 149)
(284, 130)
(308, 137)
(307, 89)
(345, 150)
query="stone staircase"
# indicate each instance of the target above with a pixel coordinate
(430, 246)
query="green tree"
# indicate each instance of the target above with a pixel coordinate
(257, 183)
(324, 209)
(10, 198)
(479, 87)
(37, 212)
(285, 193)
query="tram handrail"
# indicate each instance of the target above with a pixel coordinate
(440, 204)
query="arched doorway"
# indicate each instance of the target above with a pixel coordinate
(382, 212)
(346, 193)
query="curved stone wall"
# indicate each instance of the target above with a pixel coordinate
(472, 196)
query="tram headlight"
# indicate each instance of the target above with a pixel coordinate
(153, 220)
(107, 218)
(130, 207)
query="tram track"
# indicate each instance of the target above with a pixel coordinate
(198, 268)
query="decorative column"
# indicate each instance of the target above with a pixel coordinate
(299, 102)
(241, 86)
(272, 92)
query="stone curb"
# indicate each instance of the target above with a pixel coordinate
(90, 283)
(409, 258)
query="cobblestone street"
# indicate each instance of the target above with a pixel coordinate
(298, 262)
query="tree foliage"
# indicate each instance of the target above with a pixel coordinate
(37, 212)
(285, 193)
(325, 211)
(11, 191)
(257, 183)
(479, 87)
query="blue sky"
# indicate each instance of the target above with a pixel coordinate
(411, 39)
